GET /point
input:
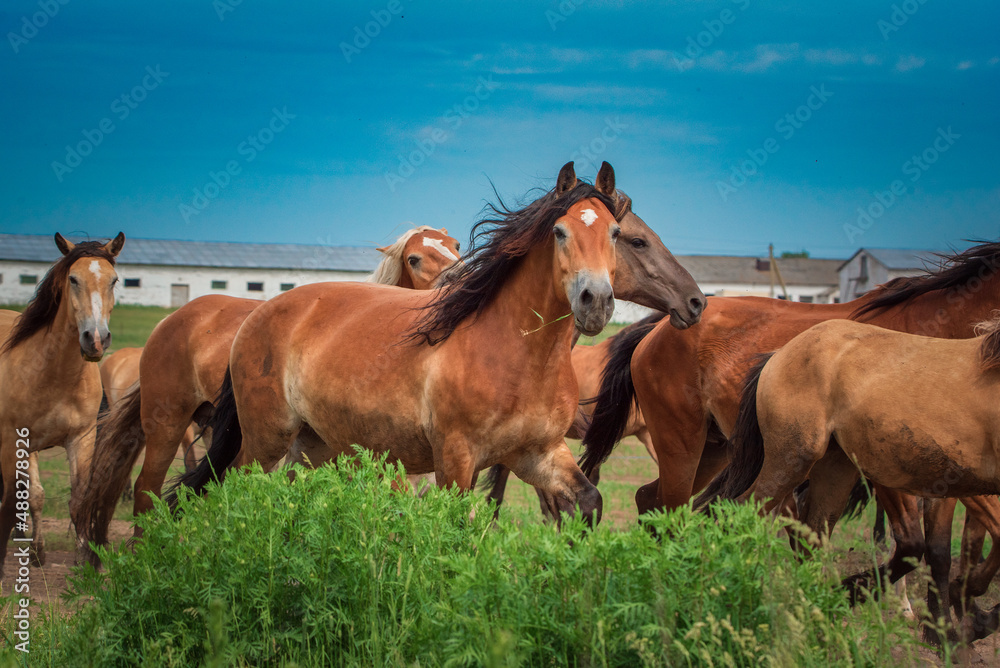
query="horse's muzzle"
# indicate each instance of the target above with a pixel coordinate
(593, 301)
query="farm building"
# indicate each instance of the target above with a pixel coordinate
(869, 267)
(158, 272)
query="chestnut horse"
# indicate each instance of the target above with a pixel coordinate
(912, 413)
(588, 364)
(50, 388)
(180, 373)
(687, 383)
(475, 374)
(119, 372)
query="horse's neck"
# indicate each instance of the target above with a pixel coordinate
(405, 280)
(533, 320)
(946, 314)
(53, 354)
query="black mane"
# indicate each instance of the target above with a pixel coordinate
(499, 242)
(953, 271)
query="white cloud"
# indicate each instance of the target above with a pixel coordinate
(910, 62)
(965, 65)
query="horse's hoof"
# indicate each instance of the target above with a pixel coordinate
(860, 587)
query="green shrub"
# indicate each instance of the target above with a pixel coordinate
(338, 568)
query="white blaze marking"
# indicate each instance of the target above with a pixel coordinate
(97, 304)
(440, 248)
(588, 216)
(95, 268)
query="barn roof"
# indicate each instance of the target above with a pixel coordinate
(41, 248)
(752, 270)
(900, 259)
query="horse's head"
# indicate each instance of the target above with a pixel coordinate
(89, 288)
(649, 275)
(585, 251)
(428, 255)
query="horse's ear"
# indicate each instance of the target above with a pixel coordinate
(383, 249)
(606, 180)
(63, 244)
(567, 178)
(114, 247)
(444, 230)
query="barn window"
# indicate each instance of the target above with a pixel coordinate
(29, 279)
(220, 285)
(806, 299)
(133, 282)
(287, 286)
(1, 279)
(253, 286)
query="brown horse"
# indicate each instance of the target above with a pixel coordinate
(50, 390)
(913, 413)
(181, 370)
(119, 372)
(588, 364)
(475, 374)
(687, 383)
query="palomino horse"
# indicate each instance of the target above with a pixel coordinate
(50, 390)
(588, 364)
(455, 381)
(687, 383)
(180, 373)
(913, 413)
(119, 372)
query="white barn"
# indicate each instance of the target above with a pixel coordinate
(871, 267)
(169, 273)
(157, 272)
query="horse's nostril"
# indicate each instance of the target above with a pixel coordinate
(697, 305)
(586, 297)
(88, 336)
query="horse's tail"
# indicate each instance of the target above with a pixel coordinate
(120, 439)
(616, 396)
(748, 446)
(227, 438)
(861, 494)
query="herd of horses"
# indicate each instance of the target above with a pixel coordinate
(454, 364)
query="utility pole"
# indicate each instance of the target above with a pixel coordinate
(775, 272)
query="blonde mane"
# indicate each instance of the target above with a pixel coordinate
(390, 269)
(989, 349)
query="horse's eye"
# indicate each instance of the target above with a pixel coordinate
(615, 233)
(414, 260)
(560, 233)
(638, 243)
(73, 281)
(458, 247)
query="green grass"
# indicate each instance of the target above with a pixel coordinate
(337, 568)
(130, 325)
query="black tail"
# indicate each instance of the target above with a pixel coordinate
(616, 398)
(227, 438)
(860, 496)
(492, 478)
(747, 446)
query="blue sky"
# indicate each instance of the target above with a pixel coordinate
(731, 124)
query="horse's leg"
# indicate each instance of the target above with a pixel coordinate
(647, 441)
(678, 438)
(8, 459)
(164, 423)
(830, 483)
(187, 449)
(80, 452)
(982, 513)
(938, 514)
(903, 513)
(555, 473)
(36, 503)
